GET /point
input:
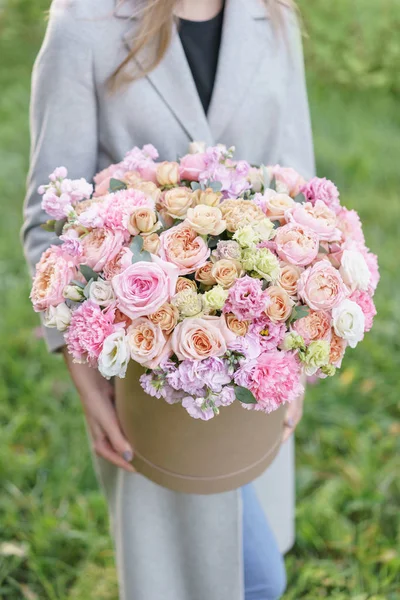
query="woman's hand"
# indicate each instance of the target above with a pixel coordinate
(293, 416)
(97, 396)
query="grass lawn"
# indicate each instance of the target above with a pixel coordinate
(54, 541)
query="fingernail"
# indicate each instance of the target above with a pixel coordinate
(127, 455)
(290, 422)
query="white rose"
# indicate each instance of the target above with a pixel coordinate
(348, 322)
(101, 292)
(73, 292)
(58, 317)
(354, 270)
(115, 355)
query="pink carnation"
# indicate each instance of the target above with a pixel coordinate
(322, 189)
(273, 378)
(88, 329)
(365, 302)
(246, 299)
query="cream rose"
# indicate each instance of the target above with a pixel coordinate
(166, 317)
(277, 204)
(197, 339)
(207, 197)
(288, 278)
(167, 173)
(238, 327)
(176, 202)
(101, 292)
(206, 220)
(225, 272)
(143, 220)
(204, 274)
(58, 317)
(184, 283)
(147, 343)
(279, 304)
(151, 243)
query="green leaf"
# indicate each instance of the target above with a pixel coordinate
(116, 185)
(87, 288)
(49, 225)
(216, 186)
(300, 198)
(195, 185)
(212, 242)
(298, 313)
(265, 176)
(78, 283)
(59, 226)
(244, 395)
(141, 256)
(272, 184)
(88, 273)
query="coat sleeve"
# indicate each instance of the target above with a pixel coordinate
(296, 146)
(63, 124)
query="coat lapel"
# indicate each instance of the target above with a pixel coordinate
(173, 81)
(243, 45)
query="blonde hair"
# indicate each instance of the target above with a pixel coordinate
(157, 20)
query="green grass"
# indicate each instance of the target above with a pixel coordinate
(54, 541)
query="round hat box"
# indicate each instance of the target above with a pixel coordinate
(189, 455)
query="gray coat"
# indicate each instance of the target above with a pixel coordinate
(169, 546)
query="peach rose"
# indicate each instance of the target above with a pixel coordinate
(337, 350)
(276, 205)
(166, 317)
(147, 343)
(225, 272)
(167, 173)
(54, 271)
(148, 188)
(176, 202)
(206, 220)
(321, 286)
(279, 304)
(184, 284)
(288, 278)
(151, 243)
(200, 338)
(204, 274)
(238, 213)
(237, 327)
(315, 326)
(182, 246)
(100, 246)
(207, 197)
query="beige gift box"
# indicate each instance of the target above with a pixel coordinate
(190, 455)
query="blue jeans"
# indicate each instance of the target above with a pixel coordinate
(264, 568)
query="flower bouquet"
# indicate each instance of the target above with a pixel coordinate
(215, 284)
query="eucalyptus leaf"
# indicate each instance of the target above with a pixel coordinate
(59, 226)
(78, 283)
(116, 185)
(266, 176)
(244, 395)
(137, 244)
(195, 185)
(88, 273)
(141, 257)
(87, 288)
(272, 184)
(216, 186)
(300, 198)
(298, 313)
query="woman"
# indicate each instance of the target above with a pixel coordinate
(109, 77)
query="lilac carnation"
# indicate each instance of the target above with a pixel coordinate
(226, 396)
(216, 373)
(322, 189)
(188, 376)
(246, 299)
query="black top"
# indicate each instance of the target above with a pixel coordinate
(201, 41)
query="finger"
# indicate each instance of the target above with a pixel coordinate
(287, 432)
(103, 449)
(117, 440)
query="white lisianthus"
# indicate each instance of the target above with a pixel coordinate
(58, 317)
(354, 270)
(348, 322)
(101, 292)
(73, 292)
(115, 355)
(264, 229)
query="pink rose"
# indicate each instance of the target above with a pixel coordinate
(147, 343)
(191, 165)
(321, 286)
(288, 181)
(100, 246)
(144, 287)
(365, 302)
(322, 189)
(122, 261)
(54, 271)
(183, 247)
(147, 171)
(102, 179)
(200, 338)
(315, 326)
(350, 225)
(317, 217)
(296, 244)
